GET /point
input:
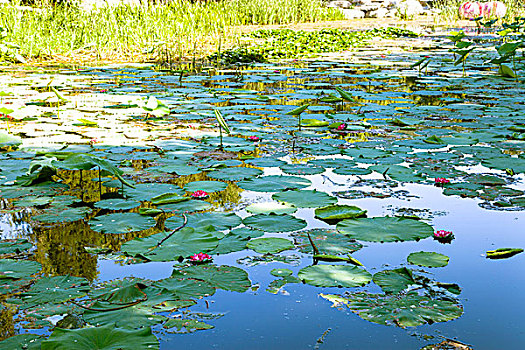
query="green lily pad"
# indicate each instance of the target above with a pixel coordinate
(503, 253)
(270, 245)
(219, 220)
(225, 277)
(327, 241)
(15, 269)
(230, 243)
(55, 289)
(62, 215)
(334, 276)
(302, 169)
(14, 246)
(274, 183)
(270, 207)
(408, 310)
(185, 325)
(281, 272)
(274, 222)
(183, 243)
(106, 337)
(185, 288)
(394, 281)
(117, 223)
(189, 206)
(338, 212)
(147, 191)
(305, 198)
(168, 198)
(25, 341)
(428, 259)
(116, 204)
(235, 174)
(206, 186)
(385, 229)
(313, 123)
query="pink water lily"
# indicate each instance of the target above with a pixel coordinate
(200, 257)
(341, 126)
(253, 138)
(441, 180)
(199, 194)
(443, 236)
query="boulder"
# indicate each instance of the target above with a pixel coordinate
(381, 12)
(409, 8)
(353, 13)
(341, 4)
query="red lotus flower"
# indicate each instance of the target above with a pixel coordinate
(341, 126)
(253, 138)
(199, 194)
(443, 236)
(441, 180)
(200, 258)
(93, 141)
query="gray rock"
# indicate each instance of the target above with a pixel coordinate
(379, 13)
(409, 8)
(341, 4)
(353, 13)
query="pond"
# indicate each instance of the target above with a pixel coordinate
(348, 202)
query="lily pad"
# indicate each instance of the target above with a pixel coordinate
(116, 204)
(274, 222)
(117, 223)
(106, 337)
(219, 220)
(55, 289)
(270, 207)
(408, 310)
(206, 186)
(333, 213)
(235, 174)
(183, 243)
(385, 229)
(394, 281)
(270, 245)
(503, 253)
(305, 198)
(15, 269)
(225, 277)
(428, 259)
(274, 183)
(14, 246)
(327, 241)
(335, 276)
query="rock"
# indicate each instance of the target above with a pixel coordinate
(409, 8)
(353, 13)
(379, 13)
(340, 4)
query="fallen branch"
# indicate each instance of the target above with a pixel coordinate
(172, 232)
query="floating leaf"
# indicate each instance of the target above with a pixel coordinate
(274, 183)
(408, 310)
(185, 325)
(305, 198)
(14, 246)
(116, 204)
(274, 222)
(335, 276)
(14, 269)
(117, 223)
(235, 174)
(337, 212)
(224, 277)
(55, 289)
(106, 337)
(206, 186)
(428, 259)
(270, 207)
(503, 253)
(385, 229)
(327, 241)
(281, 272)
(270, 245)
(394, 281)
(183, 243)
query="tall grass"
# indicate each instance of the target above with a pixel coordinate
(179, 28)
(449, 9)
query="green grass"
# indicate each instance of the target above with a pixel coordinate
(178, 29)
